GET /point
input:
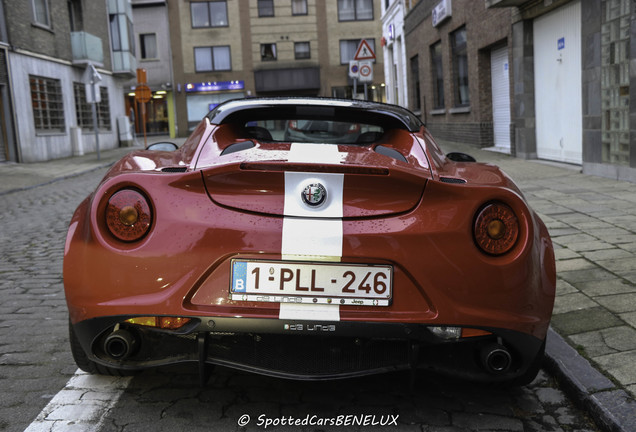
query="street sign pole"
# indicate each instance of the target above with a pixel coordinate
(142, 96)
(93, 80)
(95, 128)
(365, 56)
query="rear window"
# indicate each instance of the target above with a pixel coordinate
(304, 130)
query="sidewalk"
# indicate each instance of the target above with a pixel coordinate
(592, 221)
(14, 176)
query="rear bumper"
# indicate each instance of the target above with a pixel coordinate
(311, 350)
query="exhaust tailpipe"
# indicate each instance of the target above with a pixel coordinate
(120, 344)
(496, 358)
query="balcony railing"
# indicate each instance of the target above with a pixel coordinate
(124, 62)
(86, 48)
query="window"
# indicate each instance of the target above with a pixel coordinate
(209, 14)
(416, 105)
(265, 8)
(302, 50)
(148, 45)
(121, 33)
(460, 67)
(41, 12)
(438, 76)
(268, 52)
(299, 7)
(348, 48)
(212, 59)
(48, 108)
(355, 10)
(84, 110)
(75, 15)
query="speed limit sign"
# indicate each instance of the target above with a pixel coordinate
(366, 71)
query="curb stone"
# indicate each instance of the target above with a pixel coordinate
(611, 408)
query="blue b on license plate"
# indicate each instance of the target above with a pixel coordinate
(322, 283)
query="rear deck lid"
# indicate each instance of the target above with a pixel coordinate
(316, 180)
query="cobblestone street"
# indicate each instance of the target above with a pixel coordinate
(34, 357)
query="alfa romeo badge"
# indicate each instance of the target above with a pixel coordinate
(314, 194)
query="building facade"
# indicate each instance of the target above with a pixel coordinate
(573, 99)
(458, 54)
(154, 55)
(230, 49)
(396, 63)
(52, 50)
(537, 79)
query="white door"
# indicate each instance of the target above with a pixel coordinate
(500, 98)
(557, 80)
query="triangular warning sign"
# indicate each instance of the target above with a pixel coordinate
(364, 51)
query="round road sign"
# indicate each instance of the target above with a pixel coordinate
(142, 93)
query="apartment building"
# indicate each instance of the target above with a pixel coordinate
(153, 53)
(227, 49)
(49, 51)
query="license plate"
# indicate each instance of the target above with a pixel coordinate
(317, 283)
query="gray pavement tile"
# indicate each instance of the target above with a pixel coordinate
(606, 287)
(629, 318)
(589, 246)
(620, 266)
(584, 320)
(563, 287)
(574, 264)
(561, 253)
(629, 276)
(618, 303)
(569, 240)
(562, 231)
(606, 341)
(606, 254)
(596, 274)
(572, 302)
(621, 366)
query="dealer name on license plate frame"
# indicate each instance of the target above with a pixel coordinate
(311, 282)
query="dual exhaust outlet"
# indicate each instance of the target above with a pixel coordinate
(496, 358)
(120, 344)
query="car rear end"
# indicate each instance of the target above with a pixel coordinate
(311, 261)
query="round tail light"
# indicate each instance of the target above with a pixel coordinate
(496, 229)
(128, 215)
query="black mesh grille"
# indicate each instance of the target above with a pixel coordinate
(452, 180)
(309, 355)
(174, 169)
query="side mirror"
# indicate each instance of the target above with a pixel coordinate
(162, 146)
(460, 157)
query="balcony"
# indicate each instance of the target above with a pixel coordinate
(124, 62)
(86, 48)
(504, 3)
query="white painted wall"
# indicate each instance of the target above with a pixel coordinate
(37, 147)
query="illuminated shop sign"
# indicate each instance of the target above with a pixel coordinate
(215, 86)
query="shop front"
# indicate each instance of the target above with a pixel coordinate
(160, 115)
(204, 96)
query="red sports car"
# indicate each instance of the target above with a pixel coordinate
(310, 239)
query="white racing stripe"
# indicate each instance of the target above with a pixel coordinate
(82, 405)
(313, 234)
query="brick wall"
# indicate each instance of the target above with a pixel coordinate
(486, 29)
